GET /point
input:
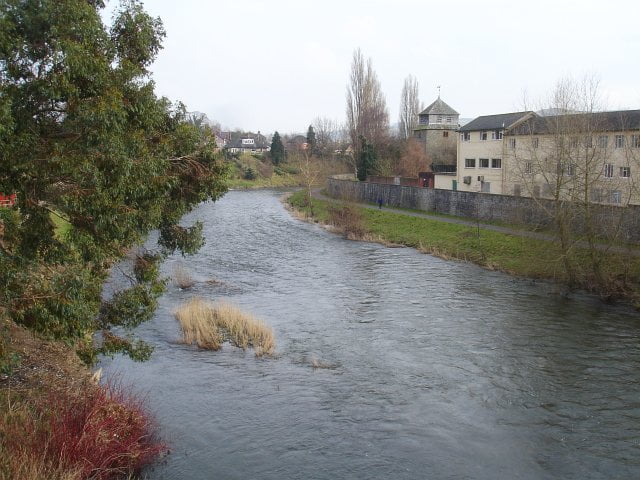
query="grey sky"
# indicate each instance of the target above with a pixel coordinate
(276, 65)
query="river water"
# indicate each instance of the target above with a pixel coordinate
(434, 369)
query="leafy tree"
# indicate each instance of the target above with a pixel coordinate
(277, 152)
(367, 159)
(85, 141)
(311, 140)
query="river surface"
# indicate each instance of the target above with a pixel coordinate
(434, 369)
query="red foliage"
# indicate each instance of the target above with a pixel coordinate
(103, 433)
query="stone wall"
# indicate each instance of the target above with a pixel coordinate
(485, 207)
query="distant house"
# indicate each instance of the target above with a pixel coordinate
(296, 143)
(249, 143)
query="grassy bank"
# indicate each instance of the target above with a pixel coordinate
(513, 254)
(257, 171)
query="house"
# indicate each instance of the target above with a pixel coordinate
(480, 152)
(249, 143)
(436, 130)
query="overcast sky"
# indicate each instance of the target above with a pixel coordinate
(278, 64)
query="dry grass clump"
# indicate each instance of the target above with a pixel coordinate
(182, 277)
(208, 325)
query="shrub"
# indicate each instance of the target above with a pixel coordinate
(250, 174)
(101, 432)
(348, 220)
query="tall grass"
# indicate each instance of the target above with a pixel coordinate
(99, 432)
(208, 325)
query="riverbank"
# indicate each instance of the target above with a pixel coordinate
(57, 422)
(514, 254)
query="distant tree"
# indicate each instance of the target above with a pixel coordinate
(367, 159)
(277, 153)
(311, 140)
(367, 115)
(327, 135)
(409, 107)
(413, 159)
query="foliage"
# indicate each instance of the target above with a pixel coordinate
(100, 433)
(85, 140)
(277, 152)
(250, 174)
(311, 140)
(367, 159)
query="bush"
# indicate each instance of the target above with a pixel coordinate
(348, 220)
(250, 174)
(101, 432)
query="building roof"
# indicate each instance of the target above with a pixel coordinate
(494, 122)
(439, 108)
(615, 121)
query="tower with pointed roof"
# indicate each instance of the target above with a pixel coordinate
(436, 130)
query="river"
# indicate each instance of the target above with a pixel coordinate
(435, 369)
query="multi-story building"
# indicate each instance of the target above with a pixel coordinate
(578, 156)
(585, 157)
(436, 130)
(481, 152)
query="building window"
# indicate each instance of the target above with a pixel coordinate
(635, 141)
(439, 118)
(483, 135)
(619, 141)
(602, 141)
(512, 143)
(571, 169)
(445, 134)
(625, 172)
(449, 119)
(469, 163)
(608, 170)
(574, 142)
(615, 196)
(466, 136)
(496, 135)
(484, 163)
(528, 168)
(588, 141)
(496, 163)
(535, 142)
(596, 195)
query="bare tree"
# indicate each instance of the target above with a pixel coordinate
(409, 107)
(327, 135)
(367, 115)
(565, 160)
(413, 159)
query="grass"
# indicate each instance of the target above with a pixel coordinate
(208, 325)
(101, 433)
(513, 254)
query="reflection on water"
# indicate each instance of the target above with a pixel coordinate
(439, 369)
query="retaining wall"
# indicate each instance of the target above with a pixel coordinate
(486, 207)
